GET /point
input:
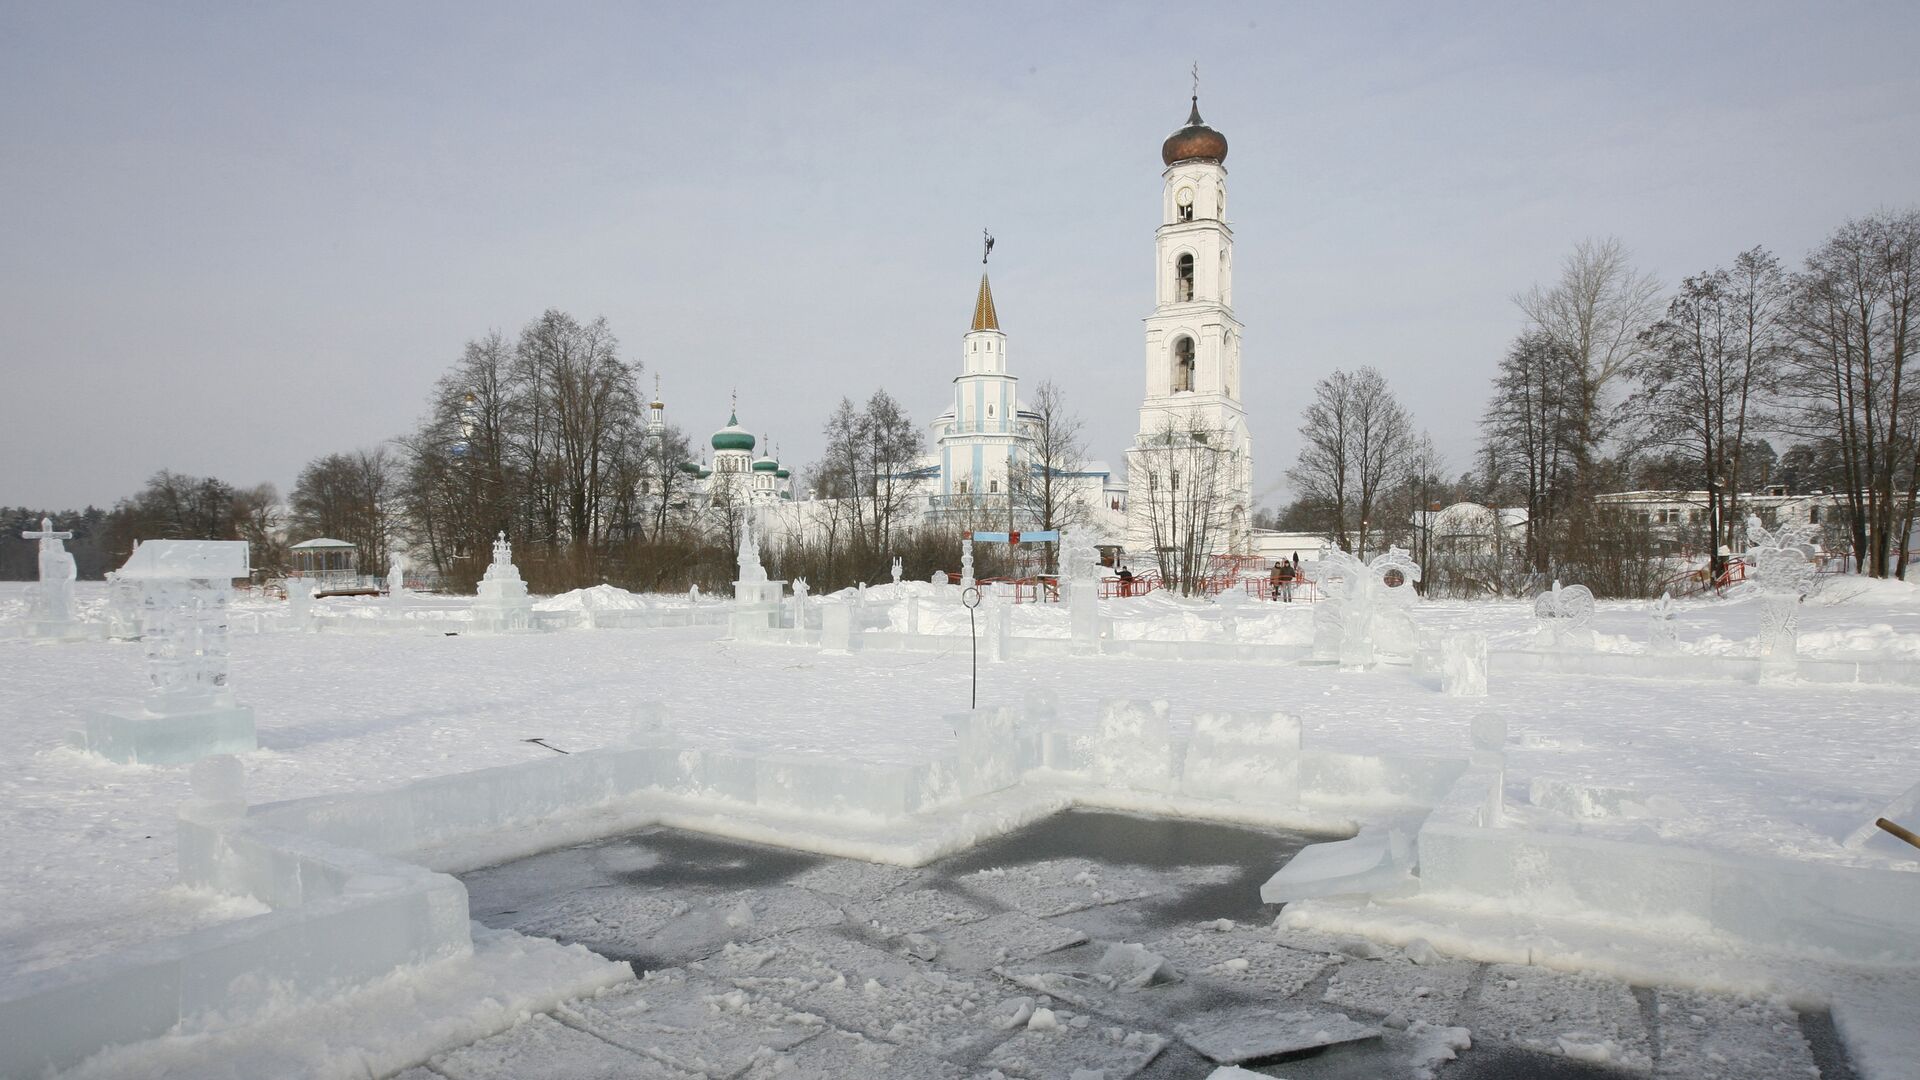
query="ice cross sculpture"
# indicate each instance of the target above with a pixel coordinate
(53, 597)
(1562, 612)
(502, 568)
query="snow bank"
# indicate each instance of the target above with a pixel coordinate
(597, 598)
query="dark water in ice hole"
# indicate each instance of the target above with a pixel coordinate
(672, 860)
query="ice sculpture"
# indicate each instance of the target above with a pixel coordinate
(938, 577)
(836, 628)
(1364, 603)
(50, 613)
(756, 600)
(896, 569)
(1783, 573)
(396, 582)
(299, 602)
(502, 604)
(189, 711)
(1663, 633)
(693, 594)
(747, 557)
(1561, 615)
(1463, 665)
(800, 592)
(1083, 595)
(966, 562)
(123, 607)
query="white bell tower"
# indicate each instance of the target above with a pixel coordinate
(1193, 347)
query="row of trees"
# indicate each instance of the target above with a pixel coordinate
(1606, 375)
(1614, 384)
(545, 436)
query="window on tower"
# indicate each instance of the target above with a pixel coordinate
(1183, 278)
(1182, 364)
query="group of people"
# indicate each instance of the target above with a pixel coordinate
(1285, 572)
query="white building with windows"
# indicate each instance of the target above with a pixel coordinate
(1193, 349)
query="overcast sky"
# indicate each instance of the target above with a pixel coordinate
(236, 237)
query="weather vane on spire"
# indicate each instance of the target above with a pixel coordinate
(988, 237)
(1196, 80)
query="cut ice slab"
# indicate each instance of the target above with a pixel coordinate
(1257, 1033)
(1373, 861)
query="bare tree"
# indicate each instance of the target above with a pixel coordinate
(1854, 313)
(1188, 470)
(257, 519)
(892, 444)
(869, 463)
(1356, 442)
(582, 405)
(665, 485)
(1595, 313)
(1528, 437)
(1051, 486)
(349, 497)
(1701, 382)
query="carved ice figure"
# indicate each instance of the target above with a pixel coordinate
(693, 594)
(123, 607)
(938, 577)
(189, 711)
(502, 603)
(748, 557)
(800, 591)
(51, 611)
(299, 601)
(1784, 574)
(966, 562)
(1366, 605)
(396, 581)
(896, 569)
(1463, 665)
(1562, 614)
(1663, 633)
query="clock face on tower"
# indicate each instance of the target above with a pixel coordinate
(1185, 198)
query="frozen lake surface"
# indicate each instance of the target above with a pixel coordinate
(1143, 941)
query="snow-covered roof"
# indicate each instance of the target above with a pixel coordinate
(320, 542)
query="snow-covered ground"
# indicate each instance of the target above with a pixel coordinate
(90, 845)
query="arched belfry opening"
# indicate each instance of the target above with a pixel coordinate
(1183, 278)
(1182, 364)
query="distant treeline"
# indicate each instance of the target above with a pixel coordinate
(172, 506)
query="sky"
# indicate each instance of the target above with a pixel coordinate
(234, 238)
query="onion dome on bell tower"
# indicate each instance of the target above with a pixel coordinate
(1195, 142)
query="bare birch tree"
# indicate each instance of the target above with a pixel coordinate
(1188, 473)
(1595, 313)
(1356, 443)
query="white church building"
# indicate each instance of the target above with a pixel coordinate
(1192, 424)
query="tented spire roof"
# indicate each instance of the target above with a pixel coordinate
(984, 317)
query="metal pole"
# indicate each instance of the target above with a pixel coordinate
(971, 599)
